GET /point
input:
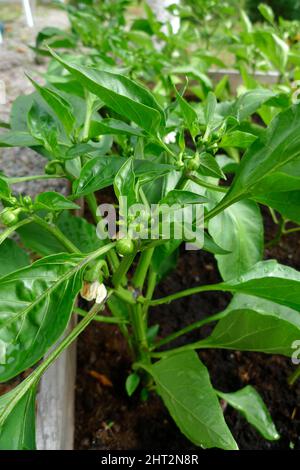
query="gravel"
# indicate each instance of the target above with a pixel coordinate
(16, 59)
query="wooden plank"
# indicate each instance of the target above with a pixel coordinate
(235, 79)
(55, 410)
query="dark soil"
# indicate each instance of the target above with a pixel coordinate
(107, 419)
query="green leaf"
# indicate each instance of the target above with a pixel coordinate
(250, 404)
(184, 385)
(249, 102)
(182, 197)
(273, 48)
(5, 192)
(254, 324)
(238, 139)
(269, 280)
(58, 104)
(209, 166)
(113, 126)
(124, 182)
(132, 382)
(17, 418)
(269, 332)
(285, 202)
(17, 407)
(277, 146)
(189, 114)
(17, 139)
(12, 257)
(266, 12)
(100, 172)
(52, 201)
(239, 230)
(121, 94)
(35, 306)
(210, 108)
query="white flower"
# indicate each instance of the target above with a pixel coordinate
(170, 138)
(94, 291)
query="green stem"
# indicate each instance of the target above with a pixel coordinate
(99, 318)
(88, 116)
(291, 230)
(294, 376)
(22, 179)
(142, 268)
(278, 235)
(189, 328)
(124, 295)
(140, 335)
(54, 230)
(205, 184)
(120, 273)
(152, 278)
(186, 293)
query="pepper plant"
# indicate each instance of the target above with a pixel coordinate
(96, 129)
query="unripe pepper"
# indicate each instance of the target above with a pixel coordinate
(125, 246)
(9, 216)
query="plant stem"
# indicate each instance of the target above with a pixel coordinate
(142, 268)
(54, 230)
(120, 273)
(205, 184)
(88, 116)
(139, 331)
(294, 376)
(124, 295)
(152, 277)
(189, 328)
(186, 293)
(278, 235)
(99, 318)
(22, 179)
(291, 230)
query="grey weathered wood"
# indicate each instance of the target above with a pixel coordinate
(235, 79)
(55, 410)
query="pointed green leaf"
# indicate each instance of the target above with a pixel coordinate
(121, 94)
(35, 306)
(269, 280)
(59, 105)
(17, 139)
(52, 201)
(239, 230)
(250, 404)
(238, 139)
(17, 418)
(184, 385)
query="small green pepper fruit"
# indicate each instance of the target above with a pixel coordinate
(125, 246)
(9, 216)
(54, 168)
(193, 163)
(27, 201)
